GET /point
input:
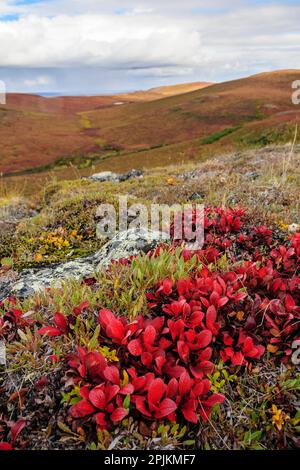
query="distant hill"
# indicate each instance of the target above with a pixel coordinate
(147, 128)
(164, 91)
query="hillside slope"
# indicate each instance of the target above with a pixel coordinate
(37, 132)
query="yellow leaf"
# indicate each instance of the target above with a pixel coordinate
(240, 315)
(171, 181)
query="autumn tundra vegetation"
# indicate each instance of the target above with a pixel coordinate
(168, 348)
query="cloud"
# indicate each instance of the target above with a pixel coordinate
(93, 40)
(40, 81)
(136, 39)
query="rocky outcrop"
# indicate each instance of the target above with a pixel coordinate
(123, 245)
(110, 176)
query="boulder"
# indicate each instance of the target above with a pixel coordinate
(131, 174)
(104, 176)
(110, 176)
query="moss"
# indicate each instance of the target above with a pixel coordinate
(7, 244)
(68, 207)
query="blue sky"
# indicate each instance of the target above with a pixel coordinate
(102, 46)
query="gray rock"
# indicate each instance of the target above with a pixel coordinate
(123, 245)
(195, 196)
(104, 176)
(110, 176)
(131, 174)
(251, 175)
(129, 243)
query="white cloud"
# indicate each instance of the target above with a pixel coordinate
(91, 40)
(42, 80)
(170, 38)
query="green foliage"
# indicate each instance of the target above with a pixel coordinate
(219, 135)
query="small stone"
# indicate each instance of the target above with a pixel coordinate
(196, 196)
(251, 175)
(293, 228)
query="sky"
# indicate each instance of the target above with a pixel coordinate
(106, 46)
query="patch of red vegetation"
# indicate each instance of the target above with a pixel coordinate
(244, 312)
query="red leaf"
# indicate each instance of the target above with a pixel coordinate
(82, 409)
(188, 411)
(167, 287)
(172, 388)
(50, 331)
(83, 306)
(16, 428)
(185, 384)
(211, 316)
(238, 359)
(205, 354)
(61, 322)
(289, 303)
(112, 374)
(95, 364)
(214, 400)
(204, 338)
(183, 350)
(100, 420)
(248, 346)
(149, 335)
(203, 368)
(5, 446)
(146, 358)
(135, 347)
(196, 318)
(140, 406)
(97, 397)
(166, 407)
(111, 391)
(114, 327)
(118, 414)
(206, 367)
(127, 389)
(156, 391)
(223, 301)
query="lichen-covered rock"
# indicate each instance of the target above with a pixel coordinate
(129, 243)
(131, 174)
(110, 176)
(104, 176)
(123, 245)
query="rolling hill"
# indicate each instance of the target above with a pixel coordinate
(145, 129)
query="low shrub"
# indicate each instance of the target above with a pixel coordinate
(239, 306)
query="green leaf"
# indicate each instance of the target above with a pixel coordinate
(93, 343)
(7, 262)
(126, 402)
(189, 442)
